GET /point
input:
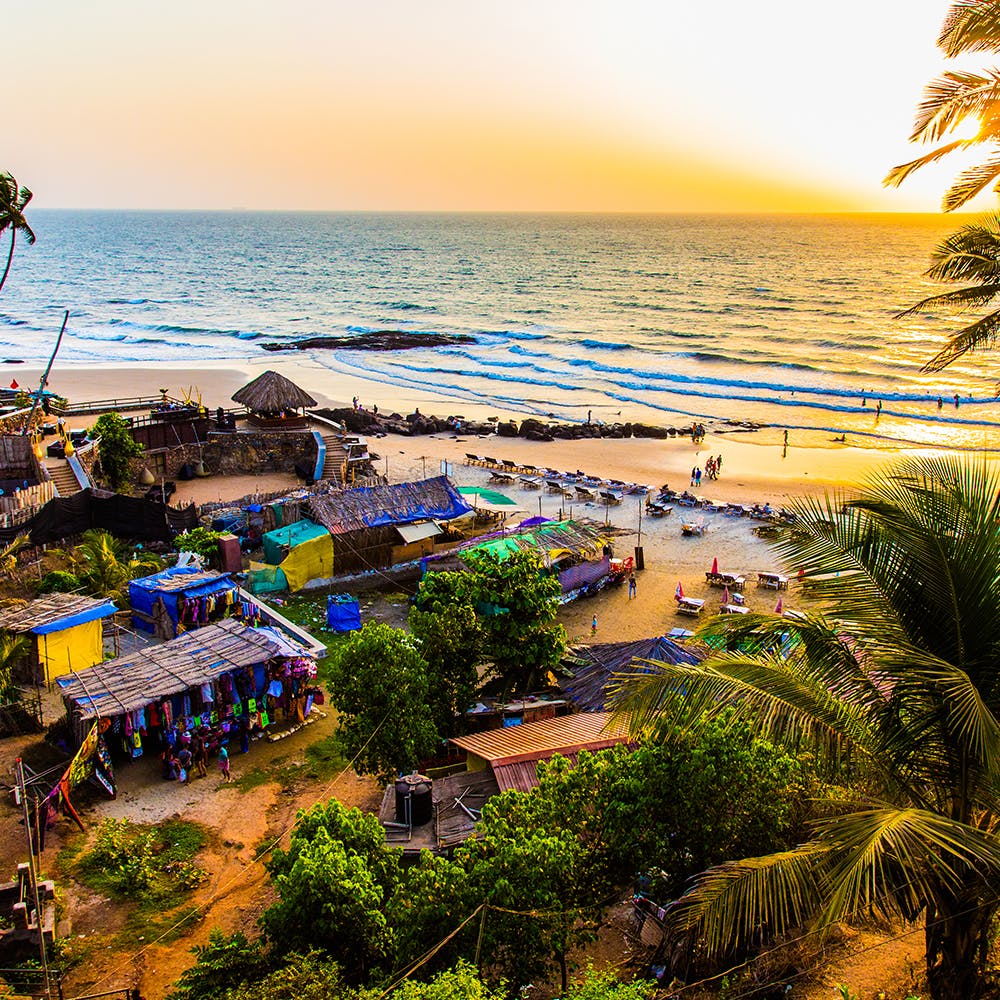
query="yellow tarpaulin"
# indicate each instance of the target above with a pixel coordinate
(73, 648)
(310, 560)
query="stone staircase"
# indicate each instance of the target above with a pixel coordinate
(336, 460)
(63, 477)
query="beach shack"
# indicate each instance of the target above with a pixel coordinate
(222, 682)
(372, 527)
(180, 598)
(512, 753)
(65, 632)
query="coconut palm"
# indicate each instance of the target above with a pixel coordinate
(107, 564)
(12, 648)
(899, 676)
(13, 201)
(970, 255)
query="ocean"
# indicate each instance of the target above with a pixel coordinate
(782, 320)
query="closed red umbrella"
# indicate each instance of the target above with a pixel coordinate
(725, 596)
(715, 565)
(679, 592)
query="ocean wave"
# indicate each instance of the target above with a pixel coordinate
(605, 345)
(403, 306)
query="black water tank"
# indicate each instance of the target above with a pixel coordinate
(416, 788)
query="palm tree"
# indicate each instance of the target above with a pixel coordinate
(108, 564)
(13, 201)
(969, 255)
(12, 648)
(899, 676)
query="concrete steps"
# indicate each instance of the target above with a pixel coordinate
(63, 478)
(336, 459)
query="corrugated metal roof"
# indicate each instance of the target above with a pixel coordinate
(534, 740)
(522, 777)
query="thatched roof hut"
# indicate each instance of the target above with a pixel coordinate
(594, 666)
(272, 394)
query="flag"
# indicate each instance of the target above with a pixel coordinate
(778, 607)
(13, 384)
(715, 565)
(679, 592)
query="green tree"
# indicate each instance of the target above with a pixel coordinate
(105, 564)
(13, 201)
(606, 986)
(900, 675)
(449, 638)
(460, 983)
(518, 604)
(222, 964)
(202, 541)
(970, 256)
(333, 883)
(380, 685)
(115, 449)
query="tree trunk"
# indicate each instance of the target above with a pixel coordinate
(10, 257)
(957, 940)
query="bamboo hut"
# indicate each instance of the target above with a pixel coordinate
(275, 402)
(65, 632)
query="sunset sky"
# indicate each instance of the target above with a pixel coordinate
(550, 105)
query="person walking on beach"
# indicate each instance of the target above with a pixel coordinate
(694, 472)
(224, 764)
(786, 439)
(593, 625)
(940, 402)
(956, 400)
(718, 464)
(878, 409)
(631, 585)
(697, 477)
(588, 415)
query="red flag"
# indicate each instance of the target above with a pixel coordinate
(679, 592)
(715, 565)
(13, 384)
(778, 607)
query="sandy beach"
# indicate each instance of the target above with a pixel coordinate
(755, 468)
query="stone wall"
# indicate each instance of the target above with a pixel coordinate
(244, 454)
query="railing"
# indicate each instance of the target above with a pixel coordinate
(106, 405)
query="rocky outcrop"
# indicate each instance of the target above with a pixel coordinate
(376, 340)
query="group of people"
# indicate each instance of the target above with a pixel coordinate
(712, 468)
(189, 756)
(697, 433)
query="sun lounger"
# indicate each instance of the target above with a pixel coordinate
(772, 581)
(730, 580)
(530, 482)
(611, 497)
(501, 477)
(733, 609)
(585, 494)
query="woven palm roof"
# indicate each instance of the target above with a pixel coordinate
(597, 664)
(272, 393)
(395, 503)
(136, 679)
(46, 610)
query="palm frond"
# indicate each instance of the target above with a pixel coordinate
(974, 337)
(969, 183)
(952, 98)
(971, 26)
(898, 174)
(959, 298)
(740, 901)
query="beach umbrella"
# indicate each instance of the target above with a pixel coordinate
(725, 595)
(778, 607)
(679, 592)
(715, 565)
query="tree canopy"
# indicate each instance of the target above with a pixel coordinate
(115, 449)
(899, 675)
(13, 201)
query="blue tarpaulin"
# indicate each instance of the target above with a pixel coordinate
(173, 585)
(88, 615)
(343, 613)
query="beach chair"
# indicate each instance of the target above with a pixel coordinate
(530, 483)
(733, 609)
(772, 581)
(690, 606)
(584, 493)
(611, 497)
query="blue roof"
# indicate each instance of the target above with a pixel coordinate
(79, 618)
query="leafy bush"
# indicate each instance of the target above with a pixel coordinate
(115, 449)
(59, 581)
(128, 859)
(202, 541)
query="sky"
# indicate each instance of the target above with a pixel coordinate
(464, 105)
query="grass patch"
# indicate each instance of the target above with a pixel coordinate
(152, 923)
(324, 758)
(253, 778)
(133, 861)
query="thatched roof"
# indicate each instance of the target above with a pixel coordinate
(597, 663)
(272, 393)
(396, 503)
(52, 609)
(136, 679)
